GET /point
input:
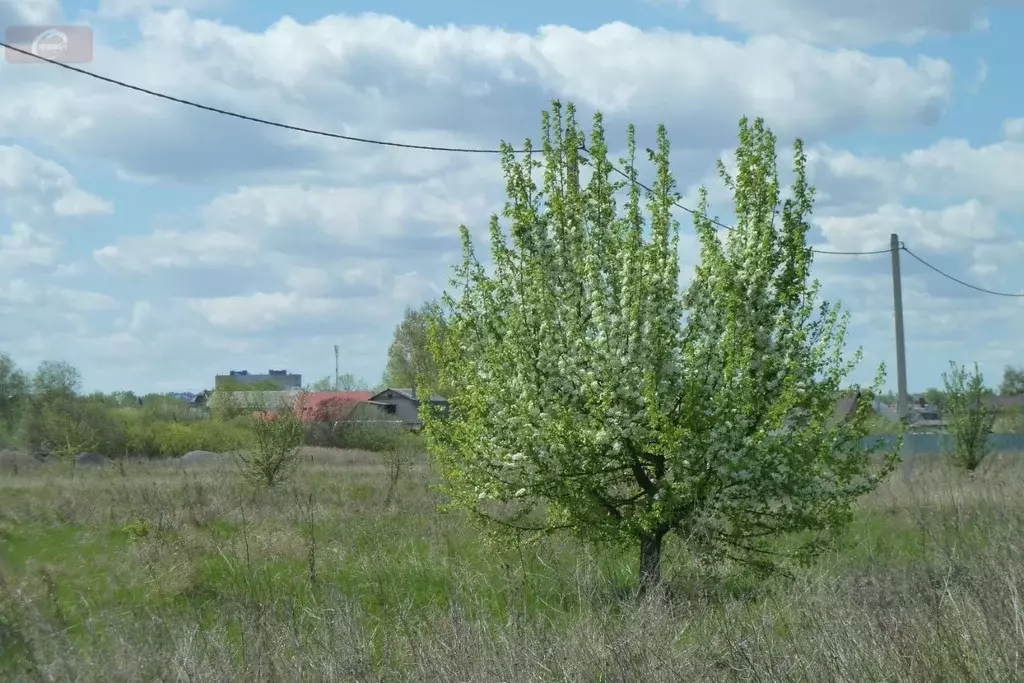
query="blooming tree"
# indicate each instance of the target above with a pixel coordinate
(600, 396)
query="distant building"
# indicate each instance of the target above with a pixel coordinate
(403, 405)
(281, 379)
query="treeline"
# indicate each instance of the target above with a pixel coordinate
(1005, 419)
(46, 414)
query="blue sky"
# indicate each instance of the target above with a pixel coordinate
(154, 246)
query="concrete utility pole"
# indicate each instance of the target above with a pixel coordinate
(336, 376)
(903, 403)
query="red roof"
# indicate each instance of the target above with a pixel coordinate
(322, 406)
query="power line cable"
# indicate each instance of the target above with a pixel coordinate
(254, 119)
(944, 274)
(368, 141)
(852, 253)
(719, 224)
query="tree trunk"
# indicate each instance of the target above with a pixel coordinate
(650, 562)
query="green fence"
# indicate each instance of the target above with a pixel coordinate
(935, 443)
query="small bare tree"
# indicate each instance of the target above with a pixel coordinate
(273, 454)
(971, 417)
(397, 453)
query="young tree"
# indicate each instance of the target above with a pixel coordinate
(56, 378)
(276, 437)
(322, 384)
(410, 359)
(349, 382)
(935, 397)
(970, 416)
(588, 403)
(1013, 381)
(65, 429)
(14, 388)
(345, 382)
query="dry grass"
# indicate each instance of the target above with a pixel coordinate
(155, 572)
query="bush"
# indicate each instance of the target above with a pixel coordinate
(274, 447)
(225, 406)
(971, 418)
(364, 436)
(177, 438)
(65, 425)
(149, 436)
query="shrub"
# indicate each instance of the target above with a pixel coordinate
(148, 436)
(273, 454)
(65, 425)
(224, 405)
(365, 436)
(178, 438)
(970, 417)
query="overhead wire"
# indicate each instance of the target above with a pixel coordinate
(348, 138)
(957, 280)
(438, 148)
(253, 119)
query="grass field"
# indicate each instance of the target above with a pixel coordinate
(152, 572)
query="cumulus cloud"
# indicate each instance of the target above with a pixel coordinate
(29, 12)
(1013, 129)
(130, 8)
(951, 228)
(24, 247)
(378, 76)
(21, 291)
(32, 185)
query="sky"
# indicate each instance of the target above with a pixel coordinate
(153, 245)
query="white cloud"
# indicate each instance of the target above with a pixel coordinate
(267, 310)
(1013, 129)
(77, 202)
(35, 186)
(852, 23)
(317, 241)
(22, 246)
(171, 249)
(948, 229)
(951, 169)
(378, 76)
(25, 293)
(29, 12)
(998, 264)
(128, 8)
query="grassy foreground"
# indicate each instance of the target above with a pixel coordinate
(154, 572)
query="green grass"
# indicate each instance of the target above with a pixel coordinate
(155, 572)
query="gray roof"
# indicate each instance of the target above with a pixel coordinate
(411, 395)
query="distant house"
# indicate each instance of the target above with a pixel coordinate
(317, 406)
(1005, 404)
(402, 405)
(923, 416)
(399, 406)
(330, 406)
(280, 379)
